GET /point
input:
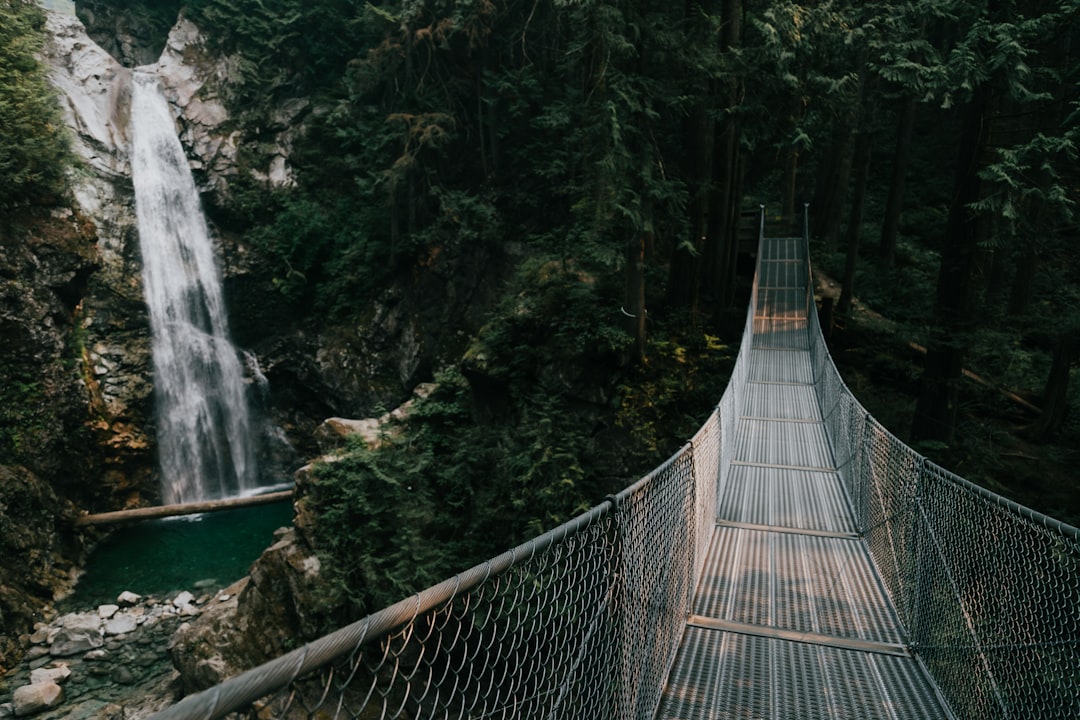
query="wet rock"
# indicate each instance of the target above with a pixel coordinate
(184, 598)
(122, 676)
(121, 624)
(128, 598)
(107, 611)
(88, 621)
(38, 651)
(75, 642)
(30, 699)
(40, 635)
(56, 675)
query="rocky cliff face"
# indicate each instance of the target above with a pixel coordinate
(46, 257)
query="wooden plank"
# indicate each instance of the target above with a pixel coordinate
(161, 511)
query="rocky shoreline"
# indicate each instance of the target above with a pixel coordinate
(108, 663)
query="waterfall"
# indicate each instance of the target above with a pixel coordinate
(205, 439)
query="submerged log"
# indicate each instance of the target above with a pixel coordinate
(160, 511)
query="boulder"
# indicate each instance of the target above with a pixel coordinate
(88, 621)
(107, 611)
(183, 599)
(75, 642)
(57, 675)
(287, 600)
(128, 598)
(30, 699)
(335, 431)
(121, 624)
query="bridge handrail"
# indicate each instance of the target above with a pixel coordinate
(644, 548)
(986, 587)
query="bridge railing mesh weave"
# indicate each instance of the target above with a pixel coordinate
(988, 590)
(581, 622)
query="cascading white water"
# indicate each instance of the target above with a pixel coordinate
(206, 444)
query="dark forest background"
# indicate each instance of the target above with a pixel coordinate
(595, 163)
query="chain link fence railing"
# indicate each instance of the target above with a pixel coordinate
(988, 590)
(581, 622)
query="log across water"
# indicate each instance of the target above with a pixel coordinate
(160, 511)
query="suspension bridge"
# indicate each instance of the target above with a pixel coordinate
(793, 560)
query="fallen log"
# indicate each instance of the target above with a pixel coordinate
(161, 511)
(1011, 395)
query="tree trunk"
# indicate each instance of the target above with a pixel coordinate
(862, 164)
(787, 185)
(634, 297)
(1055, 394)
(722, 234)
(833, 182)
(890, 226)
(685, 267)
(1023, 287)
(935, 411)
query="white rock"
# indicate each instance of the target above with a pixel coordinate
(107, 611)
(188, 611)
(88, 621)
(75, 642)
(99, 654)
(94, 85)
(30, 699)
(128, 598)
(57, 675)
(184, 598)
(121, 624)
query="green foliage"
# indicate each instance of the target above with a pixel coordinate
(34, 152)
(21, 412)
(549, 136)
(540, 421)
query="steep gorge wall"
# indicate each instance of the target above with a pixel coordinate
(77, 401)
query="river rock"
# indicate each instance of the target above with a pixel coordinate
(39, 636)
(121, 624)
(57, 675)
(30, 699)
(128, 598)
(107, 611)
(122, 676)
(88, 621)
(75, 642)
(184, 598)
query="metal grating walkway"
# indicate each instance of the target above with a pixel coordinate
(790, 618)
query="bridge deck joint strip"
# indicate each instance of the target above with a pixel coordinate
(786, 529)
(783, 350)
(804, 421)
(779, 382)
(774, 466)
(857, 644)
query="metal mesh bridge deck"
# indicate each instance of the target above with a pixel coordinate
(790, 618)
(793, 560)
